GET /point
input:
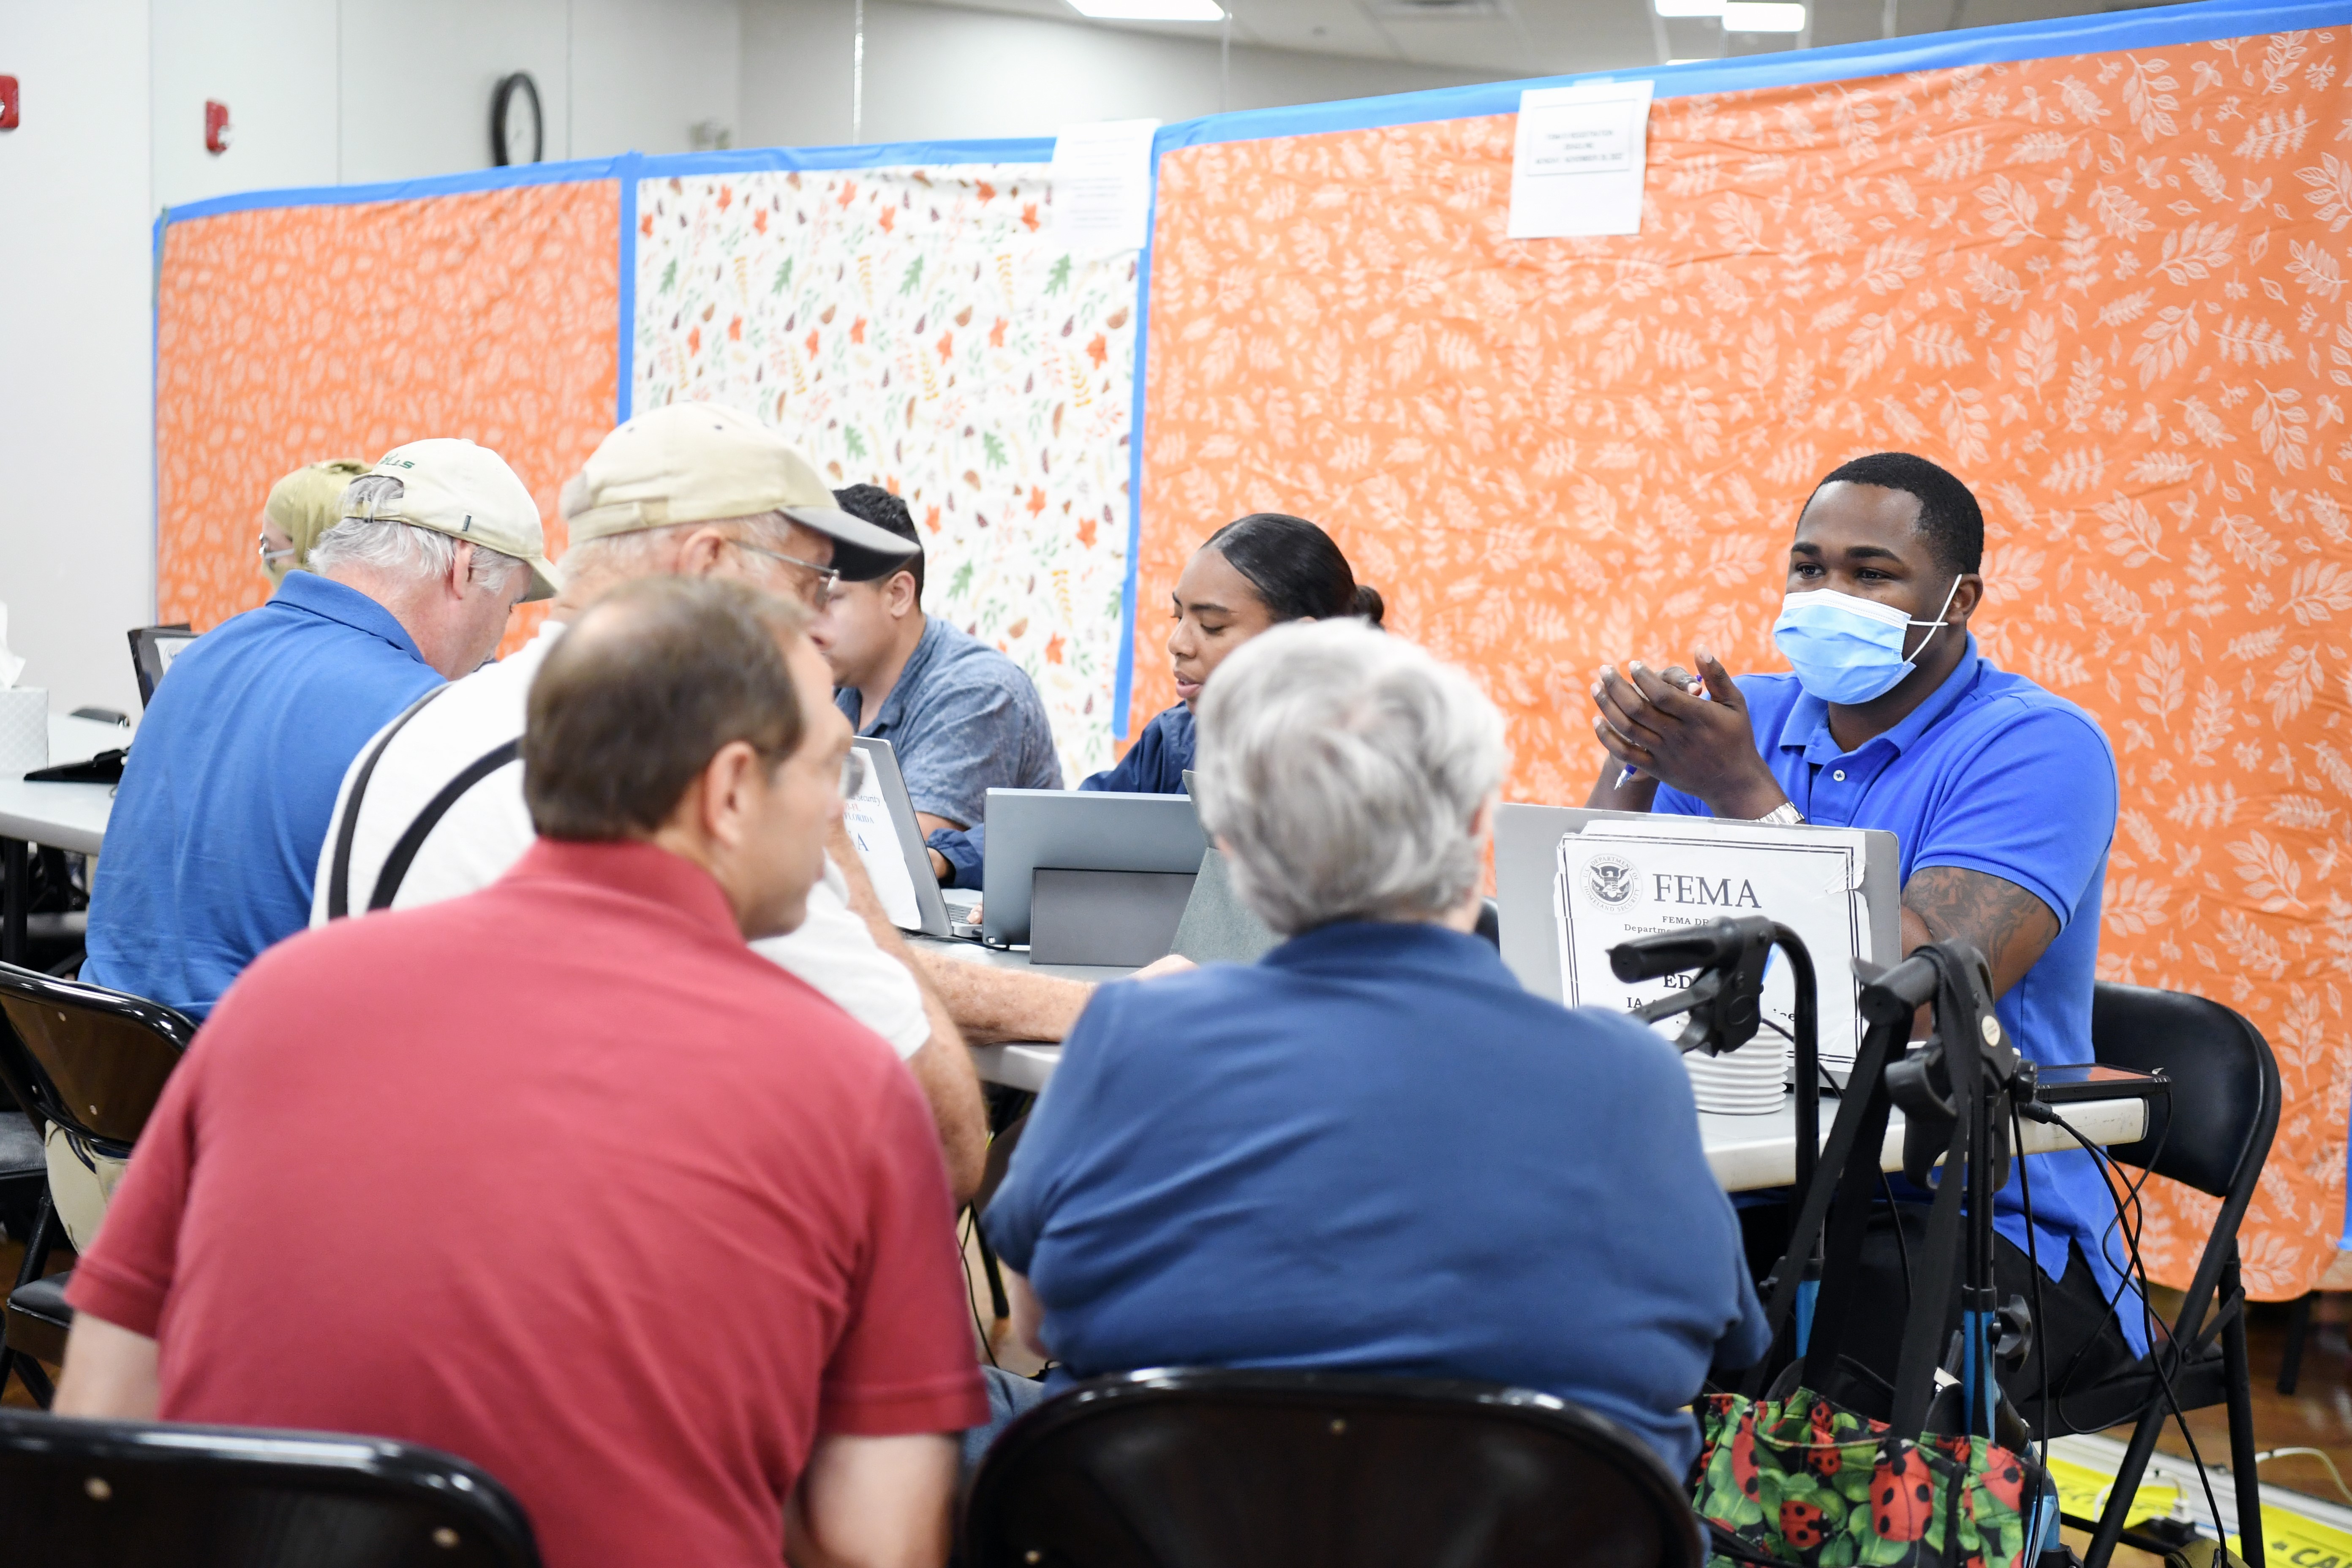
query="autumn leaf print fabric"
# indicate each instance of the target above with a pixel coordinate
(2109, 291)
(922, 329)
(288, 335)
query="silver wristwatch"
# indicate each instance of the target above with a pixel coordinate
(1784, 814)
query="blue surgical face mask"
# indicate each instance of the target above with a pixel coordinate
(1846, 650)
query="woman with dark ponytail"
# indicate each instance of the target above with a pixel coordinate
(1257, 572)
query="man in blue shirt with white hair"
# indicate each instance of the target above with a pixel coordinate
(2003, 799)
(226, 795)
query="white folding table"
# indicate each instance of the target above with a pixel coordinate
(61, 816)
(1746, 1152)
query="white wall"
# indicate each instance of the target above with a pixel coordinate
(273, 63)
(643, 73)
(417, 77)
(319, 90)
(353, 91)
(77, 497)
(326, 91)
(932, 71)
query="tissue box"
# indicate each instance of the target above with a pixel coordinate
(24, 730)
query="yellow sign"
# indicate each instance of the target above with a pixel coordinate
(2293, 1541)
(2083, 1494)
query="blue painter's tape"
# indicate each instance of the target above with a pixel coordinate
(154, 396)
(2344, 1243)
(875, 155)
(626, 362)
(1123, 686)
(575, 172)
(2156, 28)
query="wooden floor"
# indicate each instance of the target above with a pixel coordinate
(2318, 1414)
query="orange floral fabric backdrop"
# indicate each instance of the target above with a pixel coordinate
(2109, 291)
(286, 335)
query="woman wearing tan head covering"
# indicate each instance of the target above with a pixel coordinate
(302, 506)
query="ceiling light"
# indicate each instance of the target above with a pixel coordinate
(1763, 16)
(1692, 60)
(1688, 8)
(1150, 10)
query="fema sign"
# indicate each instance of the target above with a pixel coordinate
(1614, 882)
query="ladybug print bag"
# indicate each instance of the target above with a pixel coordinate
(1806, 1482)
(1802, 1480)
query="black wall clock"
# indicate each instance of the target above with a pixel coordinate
(517, 134)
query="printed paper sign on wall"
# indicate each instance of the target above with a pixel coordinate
(2109, 291)
(920, 329)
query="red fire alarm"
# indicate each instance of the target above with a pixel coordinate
(216, 126)
(7, 103)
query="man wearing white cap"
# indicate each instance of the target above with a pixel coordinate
(434, 807)
(226, 795)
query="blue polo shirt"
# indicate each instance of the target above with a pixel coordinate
(1995, 774)
(227, 793)
(961, 720)
(1373, 1151)
(1155, 764)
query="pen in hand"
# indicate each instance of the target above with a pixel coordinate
(1676, 676)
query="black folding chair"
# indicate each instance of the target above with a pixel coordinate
(129, 1494)
(23, 1173)
(93, 1062)
(2212, 1133)
(1207, 1469)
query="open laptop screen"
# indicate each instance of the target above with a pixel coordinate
(880, 817)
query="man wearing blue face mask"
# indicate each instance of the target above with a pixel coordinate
(2003, 797)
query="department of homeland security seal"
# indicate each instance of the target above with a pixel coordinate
(1609, 882)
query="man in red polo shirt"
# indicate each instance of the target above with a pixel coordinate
(583, 1189)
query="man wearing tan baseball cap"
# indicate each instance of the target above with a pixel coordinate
(226, 798)
(701, 462)
(451, 486)
(690, 489)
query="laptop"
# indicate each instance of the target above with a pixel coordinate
(1217, 927)
(153, 650)
(880, 816)
(1105, 875)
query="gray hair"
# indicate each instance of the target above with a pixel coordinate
(401, 549)
(642, 552)
(1343, 768)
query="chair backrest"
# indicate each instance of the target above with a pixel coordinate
(91, 1059)
(122, 1494)
(1202, 1468)
(2214, 1131)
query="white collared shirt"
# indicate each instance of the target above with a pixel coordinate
(488, 827)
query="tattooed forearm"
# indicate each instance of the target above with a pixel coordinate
(2008, 925)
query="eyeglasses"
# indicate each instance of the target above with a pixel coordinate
(261, 547)
(828, 581)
